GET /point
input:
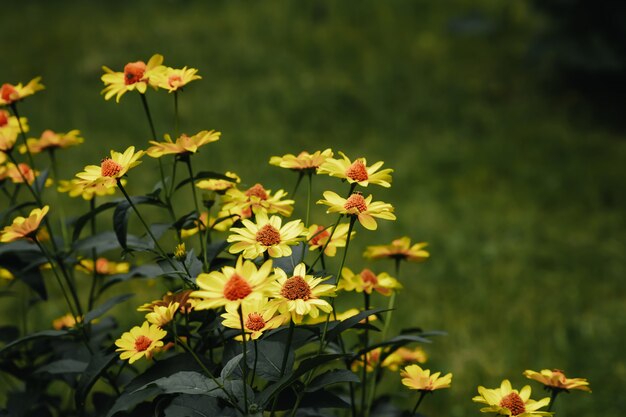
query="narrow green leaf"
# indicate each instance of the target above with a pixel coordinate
(39, 335)
(80, 223)
(63, 366)
(106, 306)
(332, 377)
(97, 365)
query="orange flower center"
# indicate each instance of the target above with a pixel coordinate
(175, 81)
(357, 201)
(268, 235)
(369, 277)
(102, 266)
(255, 322)
(258, 191)
(109, 168)
(296, 288)
(514, 403)
(357, 171)
(26, 171)
(236, 288)
(320, 234)
(8, 92)
(142, 343)
(133, 72)
(4, 118)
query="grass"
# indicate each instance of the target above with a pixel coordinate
(520, 195)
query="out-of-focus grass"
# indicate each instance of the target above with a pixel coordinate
(521, 199)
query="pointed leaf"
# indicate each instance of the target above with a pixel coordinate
(106, 306)
(97, 365)
(39, 335)
(332, 377)
(63, 366)
(82, 220)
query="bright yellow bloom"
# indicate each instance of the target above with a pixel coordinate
(357, 171)
(300, 295)
(185, 303)
(9, 122)
(136, 75)
(103, 266)
(256, 199)
(506, 401)
(140, 341)
(420, 379)
(367, 281)
(184, 145)
(219, 184)
(258, 316)
(231, 286)
(304, 162)
(24, 228)
(265, 235)
(161, 315)
(8, 137)
(21, 172)
(52, 140)
(317, 236)
(363, 208)
(556, 379)
(65, 322)
(173, 79)
(6, 274)
(398, 249)
(111, 169)
(404, 356)
(10, 93)
(340, 317)
(86, 190)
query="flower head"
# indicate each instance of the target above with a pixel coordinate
(506, 401)
(300, 294)
(8, 122)
(404, 356)
(65, 322)
(6, 274)
(52, 140)
(136, 76)
(182, 298)
(362, 208)
(161, 315)
(184, 145)
(103, 266)
(173, 79)
(21, 173)
(232, 286)
(258, 316)
(357, 171)
(217, 184)
(140, 341)
(256, 199)
(367, 281)
(10, 93)
(111, 169)
(24, 228)
(8, 137)
(318, 237)
(85, 189)
(556, 379)
(267, 234)
(398, 249)
(420, 379)
(304, 162)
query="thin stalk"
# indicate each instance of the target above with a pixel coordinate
(31, 189)
(197, 206)
(366, 299)
(553, 394)
(283, 365)
(31, 161)
(308, 199)
(55, 174)
(94, 256)
(256, 357)
(319, 255)
(419, 401)
(245, 361)
(298, 181)
(176, 120)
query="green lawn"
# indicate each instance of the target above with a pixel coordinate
(521, 196)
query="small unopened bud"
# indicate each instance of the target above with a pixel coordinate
(179, 252)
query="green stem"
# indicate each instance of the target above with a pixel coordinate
(176, 121)
(283, 365)
(197, 206)
(23, 135)
(244, 366)
(55, 174)
(308, 199)
(148, 115)
(419, 401)
(319, 255)
(298, 181)
(256, 357)
(366, 299)
(553, 394)
(94, 256)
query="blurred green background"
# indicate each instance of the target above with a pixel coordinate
(501, 164)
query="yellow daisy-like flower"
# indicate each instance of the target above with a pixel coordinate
(173, 79)
(9, 122)
(111, 169)
(161, 315)
(372, 358)
(84, 189)
(300, 295)
(556, 379)
(136, 76)
(6, 274)
(52, 140)
(256, 199)
(186, 304)
(340, 317)
(367, 281)
(420, 379)
(219, 184)
(231, 286)
(8, 137)
(103, 266)
(357, 171)
(24, 228)
(398, 249)
(140, 341)
(10, 93)
(317, 237)
(184, 145)
(304, 162)
(363, 208)
(22, 172)
(506, 401)
(65, 322)
(265, 235)
(404, 356)
(258, 316)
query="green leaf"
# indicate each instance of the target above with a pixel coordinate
(63, 366)
(332, 377)
(96, 366)
(270, 359)
(45, 334)
(106, 306)
(350, 322)
(323, 399)
(7, 214)
(40, 181)
(128, 401)
(231, 366)
(82, 220)
(204, 175)
(8, 333)
(215, 249)
(164, 368)
(122, 211)
(193, 406)
(185, 382)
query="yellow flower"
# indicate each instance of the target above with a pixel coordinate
(136, 75)
(8, 137)
(52, 140)
(317, 236)
(22, 172)
(304, 162)
(8, 122)
(219, 184)
(231, 286)
(556, 379)
(173, 79)
(24, 228)
(86, 190)
(111, 169)
(140, 341)
(180, 252)
(256, 199)
(363, 208)
(265, 235)
(104, 267)
(404, 356)
(65, 322)
(340, 317)
(185, 303)
(420, 379)
(258, 316)
(357, 171)
(367, 281)
(398, 249)
(6, 274)
(506, 401)
(372, 358)
(161, 315)
(184, 145)
(300, 295)
(10, 93)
